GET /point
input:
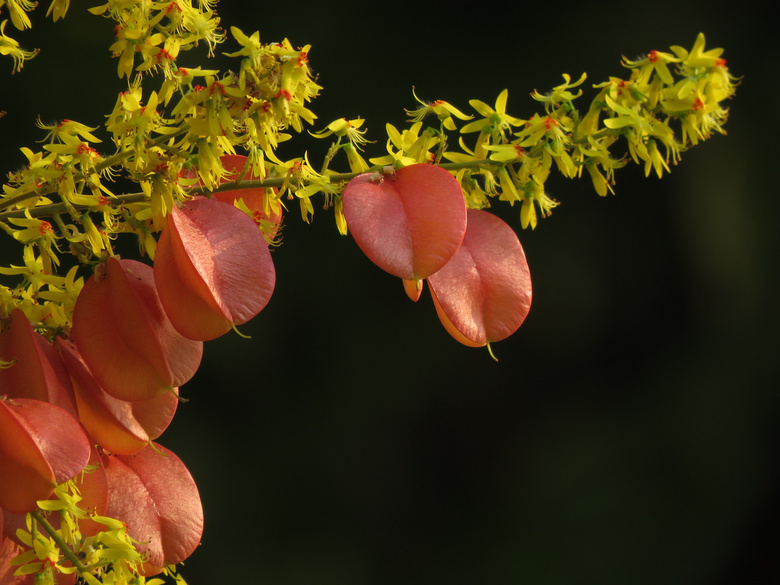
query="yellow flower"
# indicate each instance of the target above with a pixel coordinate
(58, 9)
(18, 10)
(495, 122)
(300, 177)
(444, 111)
(251, 46)
(654, 61)
(67, 128)
(476, 196)
(34, 271)
(203, 24)
(560, 94)
(535, 196)
(597, 156)
(506, 152)
(627, 117)
(343, 127)
(698, 57)
(9, 46)
(341, 220)
(654, 160)
(34, 229)
(412, 147)
(356, 162)
(62, 298)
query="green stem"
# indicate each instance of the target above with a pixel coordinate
(63, 546)
(13, 200)
(334, 148)
(104, 164)
(54, 208)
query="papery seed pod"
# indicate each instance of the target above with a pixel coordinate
(93, 490)
(8, 551)
(154, 494)
(410, 223)
(41, 445)
(37, 371)
(484, 293)
(213, 269)
(125, 336)
(118, 426)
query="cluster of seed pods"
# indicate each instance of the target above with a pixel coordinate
(95, 400)
(414, 224)
(57, 423)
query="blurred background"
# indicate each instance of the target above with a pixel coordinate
(628, 433)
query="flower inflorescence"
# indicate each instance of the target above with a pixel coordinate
(170, 141)
(53, 545)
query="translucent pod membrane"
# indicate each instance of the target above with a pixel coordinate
(118, 426)
(484, 293)
(213, 268)
(154, 494)
(41, 445)
(125, 337)
(409, 223)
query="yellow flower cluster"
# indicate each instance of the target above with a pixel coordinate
(670, 101)
(109, 556)
(170, 141)
(158, 31)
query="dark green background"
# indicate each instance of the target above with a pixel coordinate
(628, 434)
